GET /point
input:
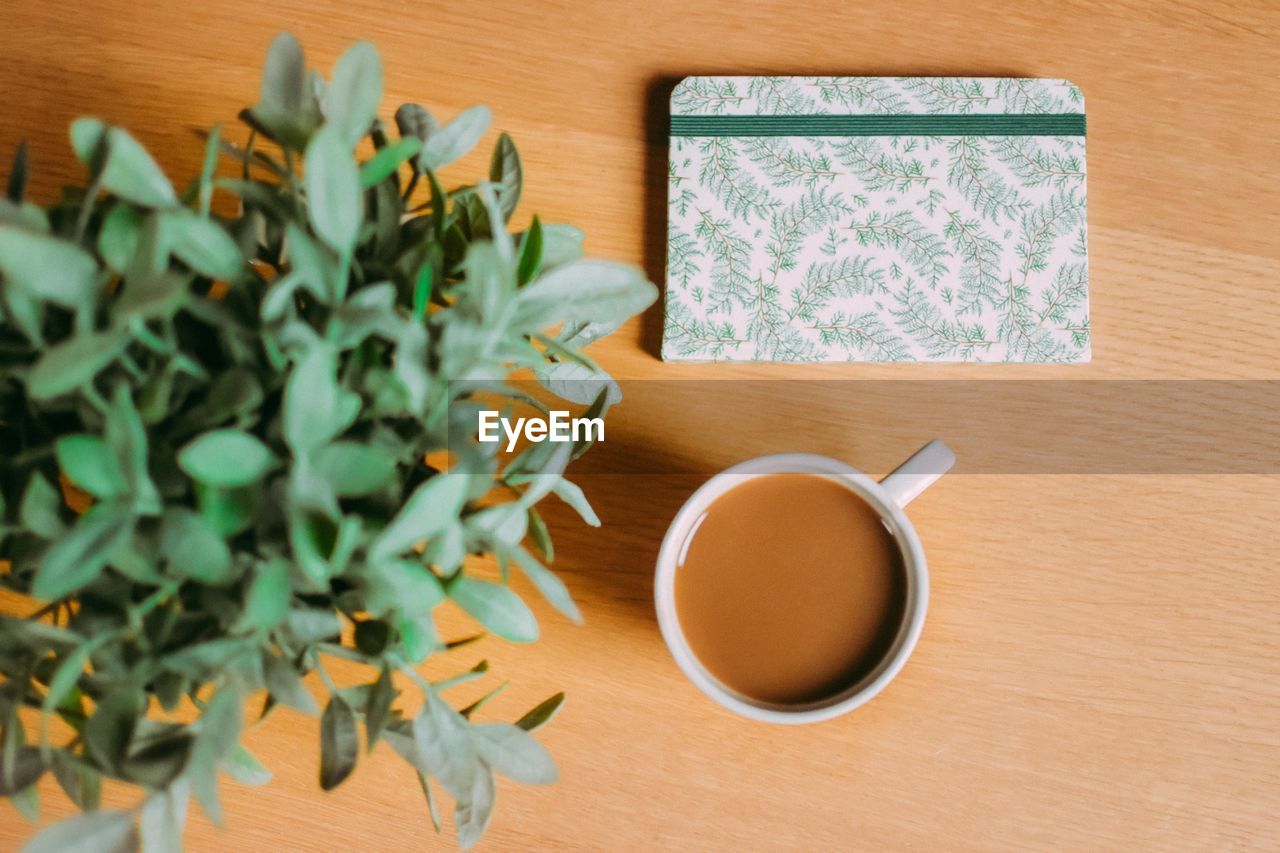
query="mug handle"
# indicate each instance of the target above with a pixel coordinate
(905, 483)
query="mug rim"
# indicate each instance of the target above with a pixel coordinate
(914, 608)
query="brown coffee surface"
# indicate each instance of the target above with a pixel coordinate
(790, 588)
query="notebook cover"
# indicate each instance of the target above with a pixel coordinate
(877, 219)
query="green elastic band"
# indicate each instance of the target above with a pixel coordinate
(1045, 124)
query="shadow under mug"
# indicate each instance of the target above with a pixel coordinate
(887, 497)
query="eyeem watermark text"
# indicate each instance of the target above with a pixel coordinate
(557, 426)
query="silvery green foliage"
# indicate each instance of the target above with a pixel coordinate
(876, 248)
(247, 405)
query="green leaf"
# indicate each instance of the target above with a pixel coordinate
(286, 104)
(491, 280)
(157, 394)
(583, 291)
(24, 214)
(28, 767)
(48, 268)
(447, 550)
(507, 522)
(129, 171)
(430, 509)
(311, 625)
(378, 711)
(267, 600)
(16, 187)
(40, 510)
(496, 607)
(400, 585)
(284, 75)
(445, 746)
(127, 438)
(118, 239)
(201, 244)
(245, 768)
(542, 714)
(285, 684)
(351, 103)
(316, 409)
(219, 727)
(384, 164)
(37, 636)
(354, 469)
(234, 394)
(546, 469)
(489, 223)
(513, 752)
(370, 311)
(551, 587)
(95, 832)
(530, 254)
(455, 139)
(108, 732)
(411, 365)
(78, 557)
(27, 802)
(415, 120)
(333, 190)
(200, 660)
(561, 244)
(65, 678)
(25, 311)
(573, 496)
(312, 268)
(74, 362)
(208, 170)
(193, 548)
(339, 743)
(406, 748)
(228, 511)
(148, 295)
(170, 687)
(312, 537)
(159, 762)
(578, 383)
(574, 337)
(89, 463)
(418, 636)
(163, 817)
(541, 535)
(81, 783)
(72, 711)
(474, 810)
(432, 809)
(227, 458)
(422, 292)
(202, 773)
(399, 736)
(506, 171)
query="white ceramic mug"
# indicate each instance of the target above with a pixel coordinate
(888, 497)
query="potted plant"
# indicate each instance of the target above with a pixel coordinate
(250, 408)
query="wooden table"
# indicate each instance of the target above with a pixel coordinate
(1101, 665)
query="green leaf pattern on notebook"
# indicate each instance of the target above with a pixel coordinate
(904, 248)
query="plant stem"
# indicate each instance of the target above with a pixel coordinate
(46, 610)
(324, 676)
(413, 185)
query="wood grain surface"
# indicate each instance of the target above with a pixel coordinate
(1101, 664)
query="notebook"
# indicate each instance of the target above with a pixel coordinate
(887, 219)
